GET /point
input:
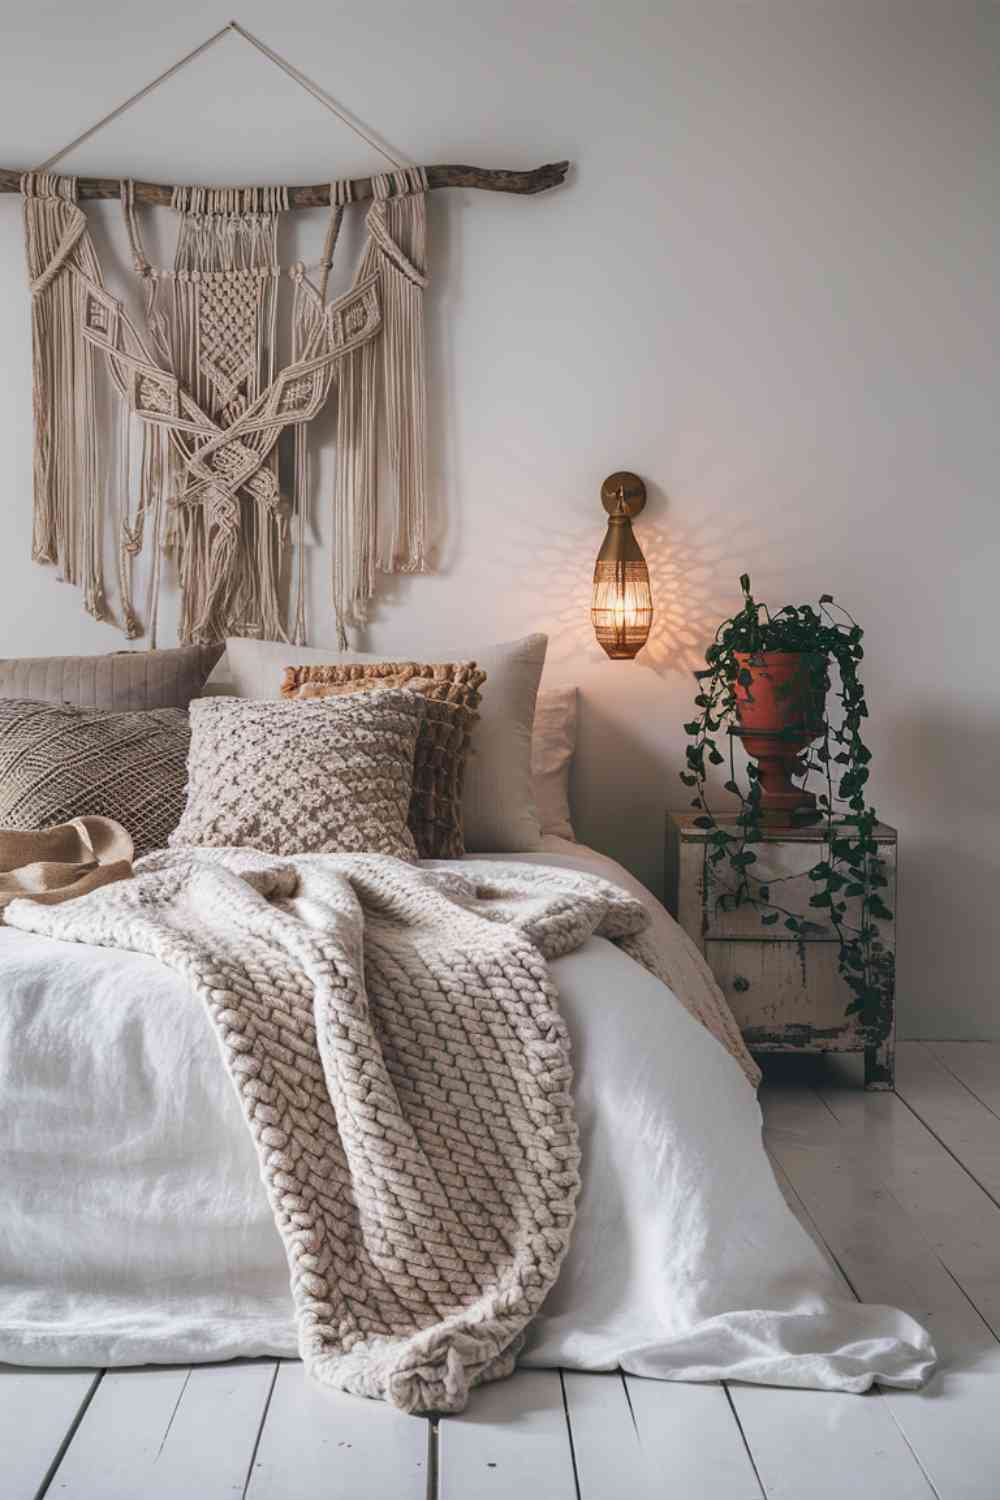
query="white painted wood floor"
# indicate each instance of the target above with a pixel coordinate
(902, 1189)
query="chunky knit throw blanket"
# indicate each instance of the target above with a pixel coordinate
(395, 1040)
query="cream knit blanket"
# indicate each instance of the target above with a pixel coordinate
(395, 1041)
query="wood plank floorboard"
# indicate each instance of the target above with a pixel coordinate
(168, 1433)
(827, 1445)
(320, 1444)
(962, 1123)
(902, 1192)
(628, 1433)
(512, 1442)
(691, 1433)
(974, 1064)
(956, 1217)
(39, 1410)
(887, 1258)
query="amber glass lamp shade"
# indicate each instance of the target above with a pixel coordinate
(622, 608)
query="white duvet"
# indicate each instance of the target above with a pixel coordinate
(134, 1227)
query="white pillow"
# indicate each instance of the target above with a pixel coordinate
(552, 745)
(499, 812)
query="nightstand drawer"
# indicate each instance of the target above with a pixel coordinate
(785, 994)
(784, 868)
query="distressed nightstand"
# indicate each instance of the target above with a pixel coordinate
(785, 992)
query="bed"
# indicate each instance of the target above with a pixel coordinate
(136, 1229)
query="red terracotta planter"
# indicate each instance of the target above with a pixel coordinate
(780, 713)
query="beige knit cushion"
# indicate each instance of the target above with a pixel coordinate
(303, 778)
(452, 693)
(126, 679)
(58, 763)
(498, 805)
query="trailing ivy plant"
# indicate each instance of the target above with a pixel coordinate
(848, 878)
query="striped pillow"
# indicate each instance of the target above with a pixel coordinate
(124, 679)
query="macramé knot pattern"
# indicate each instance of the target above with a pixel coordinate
(220, 366)
(395, 1040)
(228, 314)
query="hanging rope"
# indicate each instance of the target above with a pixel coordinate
(120, 109)
(313, 89)
(320, 95)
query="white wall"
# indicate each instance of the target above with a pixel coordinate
(769, 287)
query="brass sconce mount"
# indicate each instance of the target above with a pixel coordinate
(623, 492)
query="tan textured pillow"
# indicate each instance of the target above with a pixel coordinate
(452, 693)
(58, 763)
(125, 679)
(303, 778)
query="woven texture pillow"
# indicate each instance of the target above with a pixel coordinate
(125, 679)
(58, 763)
(498, 805)
(452, 693)
(303, 778)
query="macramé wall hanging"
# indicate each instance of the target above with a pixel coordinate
(206, 394)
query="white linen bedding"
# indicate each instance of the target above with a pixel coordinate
(134, 1227)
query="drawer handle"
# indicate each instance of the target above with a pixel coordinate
(740, 984)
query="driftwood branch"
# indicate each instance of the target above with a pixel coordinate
(490, 179)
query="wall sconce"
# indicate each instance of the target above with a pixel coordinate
(622, 610)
